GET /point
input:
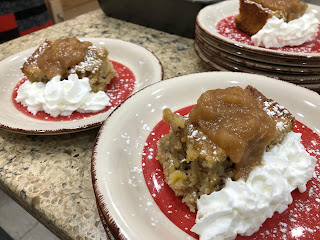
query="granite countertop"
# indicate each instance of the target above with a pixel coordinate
(50, 176)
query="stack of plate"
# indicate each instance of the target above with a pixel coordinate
(225, 54)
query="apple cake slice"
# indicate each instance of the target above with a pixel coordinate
(194, 164)
(253, 14)
(70, 56)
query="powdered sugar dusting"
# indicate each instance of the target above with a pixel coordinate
(32, 60)
(92, 61)
(124, 86)
(272, 108)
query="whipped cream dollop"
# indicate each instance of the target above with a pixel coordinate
(277, 33)
(242, 206)
(58, 97)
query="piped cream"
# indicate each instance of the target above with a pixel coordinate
(242, 206)
(277, 33)
(58, 97)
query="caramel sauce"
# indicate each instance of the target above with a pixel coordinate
(233, 120)
(61, 55)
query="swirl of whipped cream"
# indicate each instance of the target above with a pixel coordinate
(58, 97)
(242, 206)
(276, 33)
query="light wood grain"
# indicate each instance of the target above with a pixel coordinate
(55, 10)
(73, 9)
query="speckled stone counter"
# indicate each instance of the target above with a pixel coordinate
(50, 176)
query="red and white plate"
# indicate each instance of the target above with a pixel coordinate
(132, 196)
(216, 22)
(143, 65)
(222, 46)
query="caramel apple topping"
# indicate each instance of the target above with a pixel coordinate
(62, 55)
(233, 119)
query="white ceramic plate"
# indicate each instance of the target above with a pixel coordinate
(118, 181)
(263, 58)
(266, 64)
(220, 65)
(237, 66)
(209, 16)
(145, 66)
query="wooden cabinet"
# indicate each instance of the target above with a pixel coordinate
(61, 10)
(75, 8)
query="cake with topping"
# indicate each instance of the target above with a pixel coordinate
(70, 56)
(223, 137)
(65, 76)
(253, 14)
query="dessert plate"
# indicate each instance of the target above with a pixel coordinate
(241, 52)
(237, 66)
(213, 62)
(209, 16)
(264, 64)
(122, 193)
(144, 65)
